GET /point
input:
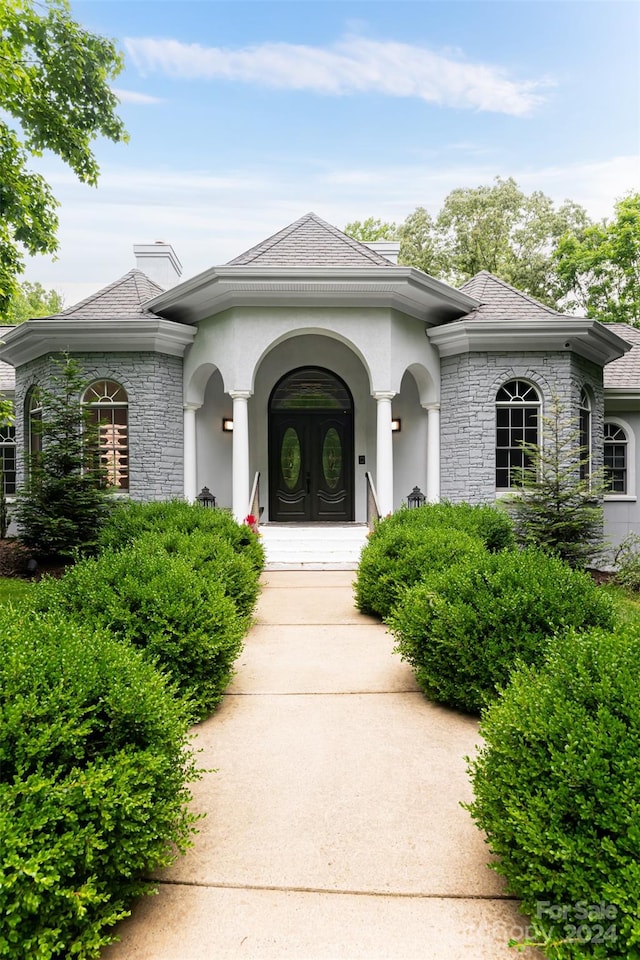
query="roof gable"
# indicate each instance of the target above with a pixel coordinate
(311, 242)
(500, 301)
(123, 299)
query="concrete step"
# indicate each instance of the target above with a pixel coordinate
(315, 546)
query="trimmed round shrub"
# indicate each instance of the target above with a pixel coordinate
(184, 621)
(464, 630)
(95, 761)
(557, 791)
(132, 519)
(492, 524)
(213, 558)
(403, 556)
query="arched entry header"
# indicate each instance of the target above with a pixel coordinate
(311, 388)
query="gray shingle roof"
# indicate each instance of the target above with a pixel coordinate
(123, 299)
(311, 242)
(624, 373)
(500, 301)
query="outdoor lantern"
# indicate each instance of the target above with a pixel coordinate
(396, 425)
(227, 425)
(416, 498)
(206, 499)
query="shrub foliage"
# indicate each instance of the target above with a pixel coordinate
(410, 544)
(464, 630)
(557, 791)
(95, 761)
(184, 621)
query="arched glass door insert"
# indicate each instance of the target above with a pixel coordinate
(311, 448)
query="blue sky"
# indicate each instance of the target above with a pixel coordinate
(245, 115)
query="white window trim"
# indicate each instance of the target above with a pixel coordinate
(630, 495)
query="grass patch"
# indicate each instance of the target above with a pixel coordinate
(13, 588)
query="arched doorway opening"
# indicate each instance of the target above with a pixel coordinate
(310, 448)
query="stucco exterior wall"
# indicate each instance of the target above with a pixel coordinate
(153, 382)
(469, 383)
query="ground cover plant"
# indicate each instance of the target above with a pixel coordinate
(464, 630)
(557, 791)
(95, 764)
(412, 543)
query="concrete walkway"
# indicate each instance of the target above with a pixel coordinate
(334, 829)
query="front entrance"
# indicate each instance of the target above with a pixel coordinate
(311, 448)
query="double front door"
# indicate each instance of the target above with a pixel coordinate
(311, 465)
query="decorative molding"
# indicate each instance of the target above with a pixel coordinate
(399, 288)
(587, 338)
(34, 338)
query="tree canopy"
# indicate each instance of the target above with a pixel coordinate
(33, 300)
(372, 229)
(54, 85)
(498, 228)
(599, 266)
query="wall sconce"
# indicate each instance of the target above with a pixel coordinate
(227, 425)
(396, 426)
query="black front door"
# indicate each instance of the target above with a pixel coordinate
(311, 465)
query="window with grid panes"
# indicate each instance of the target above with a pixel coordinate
(517, 421)
(8, 458)
(615, 458)
(585, 435)
(108, 404)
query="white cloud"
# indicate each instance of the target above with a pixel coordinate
(211, 218)
(132, 96)
(353, 65)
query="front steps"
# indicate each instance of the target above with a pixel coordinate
(313, 546)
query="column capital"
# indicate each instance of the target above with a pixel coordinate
(430, 406)
(191, 406)
(240, 394)
(383, 394)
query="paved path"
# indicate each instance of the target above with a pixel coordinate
(334, 829)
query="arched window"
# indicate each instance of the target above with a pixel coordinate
(585, 435)
(109, 410)
(8, 458)
(517, 424)
(616, 465)
(33, 418)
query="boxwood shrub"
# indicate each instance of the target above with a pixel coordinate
(492, 524)
(404, 555)
(183, 620)
(464, 630)
(95, 760)
(132, 519)
(557, 791)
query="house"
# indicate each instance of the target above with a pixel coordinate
(313, 360)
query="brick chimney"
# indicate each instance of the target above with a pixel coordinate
(159, 261)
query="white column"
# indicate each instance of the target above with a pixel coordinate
(240, 472)
(433, 451)
(190, 467)
(384, 453)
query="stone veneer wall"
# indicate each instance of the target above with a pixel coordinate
(469, 383)
(153, 382)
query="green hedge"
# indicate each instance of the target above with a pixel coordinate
(410, 544)
(403, 556)
(183, 620)
(95, 760)
(131, 520)
(557, 791)
(464, 630)
(492, 524)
